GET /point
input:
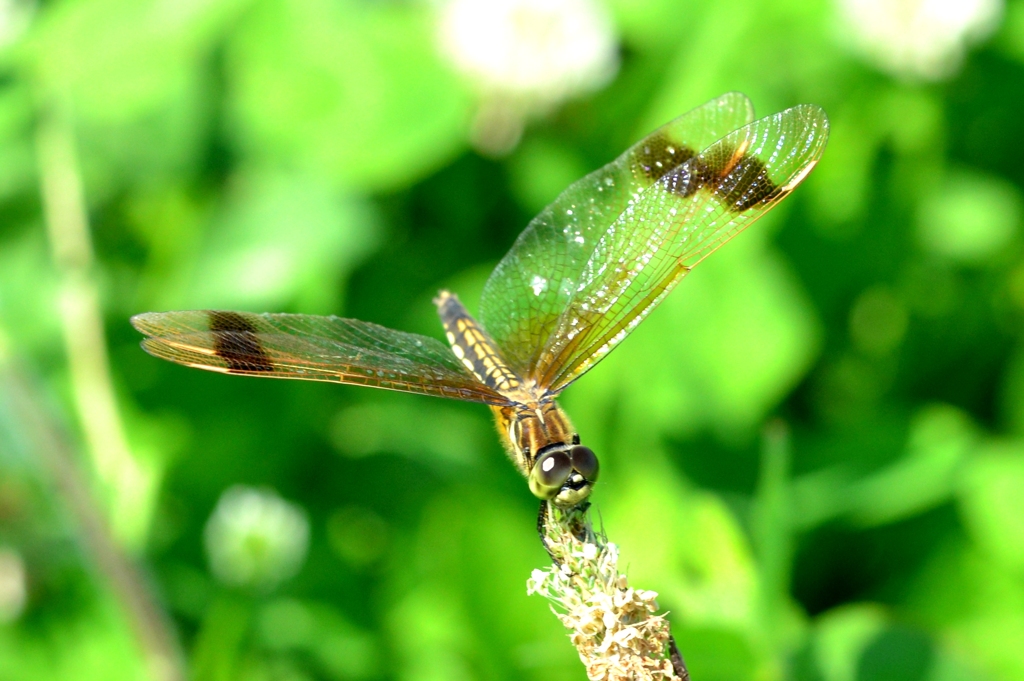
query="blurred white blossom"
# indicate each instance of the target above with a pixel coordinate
(918, 39)
(526, 56)
(15, 17)
(13, 590)
(256, 539)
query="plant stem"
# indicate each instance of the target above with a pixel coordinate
(127, 485)
(50, 444)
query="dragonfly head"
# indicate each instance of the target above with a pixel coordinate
(564, 474)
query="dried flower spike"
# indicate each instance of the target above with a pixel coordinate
(613, 626)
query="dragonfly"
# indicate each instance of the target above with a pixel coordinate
(580, 278)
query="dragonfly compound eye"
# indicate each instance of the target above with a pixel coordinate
(550, 472)
(585, 462)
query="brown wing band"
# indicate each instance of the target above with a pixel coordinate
(235, 341)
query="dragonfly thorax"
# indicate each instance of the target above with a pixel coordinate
(537, 433)
(547, 450)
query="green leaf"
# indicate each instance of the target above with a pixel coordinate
(841, 636)
(683, 543)
(91, 642)
(464, 613)
(280, 239)
(970, 217)
(714, 654)
(445, 435)
(992, 502)
(974, 603)
(123, 59)
(336, 646)
(941, 437)
(355, 95)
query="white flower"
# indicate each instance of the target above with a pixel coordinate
(610, 619)
(919, 39)
(526, 56)
(535, 584)
(544, 49)
(256, 539)
(15, 17)
(13, 590)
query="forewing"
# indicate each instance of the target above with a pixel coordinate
(310, 348)
(525, 297)
(668, 229)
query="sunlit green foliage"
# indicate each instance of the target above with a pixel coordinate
(317, 156)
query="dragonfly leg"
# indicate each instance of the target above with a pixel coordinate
(576, 524)
(678, 665)
(542, 530)
(542, 519)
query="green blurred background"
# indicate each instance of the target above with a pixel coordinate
(814, 449)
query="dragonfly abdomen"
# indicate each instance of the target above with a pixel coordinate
(474, 347)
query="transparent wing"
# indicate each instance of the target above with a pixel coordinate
(525, 297)
(668, 229)
(310, 348)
